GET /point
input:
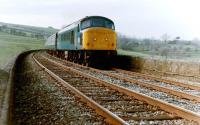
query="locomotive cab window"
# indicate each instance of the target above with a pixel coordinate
(85, 24)
(97, 22)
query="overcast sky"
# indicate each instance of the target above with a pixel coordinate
(138, 18)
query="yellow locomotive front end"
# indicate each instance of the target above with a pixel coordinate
(98, 33)
(99, 38)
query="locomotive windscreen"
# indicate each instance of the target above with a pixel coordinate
(97, 22)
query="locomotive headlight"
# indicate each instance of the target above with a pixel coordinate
(88, 44)
(95, 39)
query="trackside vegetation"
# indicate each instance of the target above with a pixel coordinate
(164, 48)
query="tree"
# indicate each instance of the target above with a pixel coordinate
(188, 49)
(147, 43)
(50, 27)
(165, 37)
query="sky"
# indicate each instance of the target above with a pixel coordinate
(135, 18)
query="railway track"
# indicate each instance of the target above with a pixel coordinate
(117, 104)
(183, 92)
(187, 101)
(145, 76)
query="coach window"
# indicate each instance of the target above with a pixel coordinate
(69, 36)
(65, 36)
(62, 37)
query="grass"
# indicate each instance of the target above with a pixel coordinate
(132, 53)
(11, 45)
(193, 56)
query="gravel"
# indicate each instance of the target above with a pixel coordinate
(184, 103)
(38, 100)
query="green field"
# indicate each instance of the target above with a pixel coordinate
(193, 56)
(11, 45)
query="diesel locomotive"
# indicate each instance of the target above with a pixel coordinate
(88, 41)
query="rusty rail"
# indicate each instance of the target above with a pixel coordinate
(156, 87)
(163, 105)
(110, 117)
(159, 79)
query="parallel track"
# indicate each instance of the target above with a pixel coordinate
(171, 88)
(157, 79)
(128, 106)
(189, 98)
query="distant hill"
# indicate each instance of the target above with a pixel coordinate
(29, 31)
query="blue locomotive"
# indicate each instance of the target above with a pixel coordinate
(91, 39)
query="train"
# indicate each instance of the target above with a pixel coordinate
(89, 41)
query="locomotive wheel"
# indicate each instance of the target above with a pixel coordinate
(76, 56)
(80, 59)
(73, 56)
(70, 56)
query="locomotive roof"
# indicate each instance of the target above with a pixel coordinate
(88, 17)
(85, 18)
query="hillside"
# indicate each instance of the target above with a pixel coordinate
(11, 45)
(29, 31)
(16, 38)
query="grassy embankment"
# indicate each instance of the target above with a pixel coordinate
(11, 45)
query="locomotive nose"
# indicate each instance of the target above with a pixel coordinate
(99, 39)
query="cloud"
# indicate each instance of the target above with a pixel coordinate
(143, 18)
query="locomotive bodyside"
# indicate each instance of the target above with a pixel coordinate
(68, 38)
